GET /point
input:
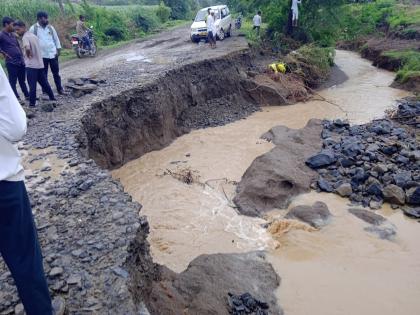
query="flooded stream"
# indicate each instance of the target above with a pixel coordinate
(339, 270)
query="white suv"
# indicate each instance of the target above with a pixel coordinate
(223, 23)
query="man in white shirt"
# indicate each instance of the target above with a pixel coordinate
(50, 48)
(257, 22)
(295, 12)
(19, 245)
(211, 30)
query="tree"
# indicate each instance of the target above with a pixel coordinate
(180, 9)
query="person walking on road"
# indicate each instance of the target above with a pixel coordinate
(257, 21)
(19, 244)
(211, 30)
(34, 63)
(15, 64)
(295, 12)
(50, 48)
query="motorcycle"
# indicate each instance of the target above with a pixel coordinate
(80, 46)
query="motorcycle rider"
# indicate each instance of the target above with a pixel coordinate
(83, 32)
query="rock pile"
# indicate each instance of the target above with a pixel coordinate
(246, 304)
(83, 86)
(408, 113)
(370, 163)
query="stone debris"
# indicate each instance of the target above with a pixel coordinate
(83, 86)
(246, 304)
(371, 163)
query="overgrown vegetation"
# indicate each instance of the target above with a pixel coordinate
(324, 22)
(411, 64)
(111, 24)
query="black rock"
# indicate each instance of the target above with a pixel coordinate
(412, 212)
(246, 304)
(341, 123)
(402, 178)
(346, 162)
(389, 150)
(381, 128)
(322, 159)
(325, 185)
(359, 177)
(413, 196)
(375, 190)
(352, 148)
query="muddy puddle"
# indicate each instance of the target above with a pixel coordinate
(186, 191)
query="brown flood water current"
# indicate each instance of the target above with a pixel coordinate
(339, 270)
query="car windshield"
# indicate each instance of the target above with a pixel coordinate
(201, 15)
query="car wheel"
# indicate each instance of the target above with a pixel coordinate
(229, 33)
(221, 34)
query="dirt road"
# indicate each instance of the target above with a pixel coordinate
(158, 53)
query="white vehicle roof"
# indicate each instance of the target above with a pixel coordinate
(215, 7)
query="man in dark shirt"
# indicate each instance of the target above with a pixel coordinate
(12, 52)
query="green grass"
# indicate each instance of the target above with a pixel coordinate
(251, 34)
(364, 18)
(410, 60)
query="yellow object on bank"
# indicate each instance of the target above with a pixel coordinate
(278, 67)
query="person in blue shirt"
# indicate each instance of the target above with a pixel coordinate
(50, 47)
(10, 49)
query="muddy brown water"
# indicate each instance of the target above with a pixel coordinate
(339, 270)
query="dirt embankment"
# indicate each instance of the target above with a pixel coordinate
(376, 48)
(203, 94)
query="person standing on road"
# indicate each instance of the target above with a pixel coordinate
(50, 48)
(19, 244)
(257, 22)
(10, 48)
(295, 12)
(34, 63)
(211, 30)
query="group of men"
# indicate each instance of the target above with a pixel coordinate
(29, 54)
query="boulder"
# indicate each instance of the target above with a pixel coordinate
(274, 178)
(413, 196)
(317, 215)
(204, 287)
(344, 190)
(394, 194)
(368, 216)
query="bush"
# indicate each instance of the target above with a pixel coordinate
(163, 12)
(180, 9)
(116, 33)
(145, 19)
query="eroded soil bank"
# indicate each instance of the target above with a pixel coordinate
(331, 271)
